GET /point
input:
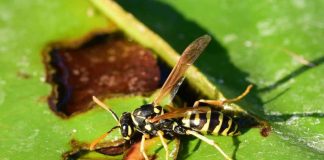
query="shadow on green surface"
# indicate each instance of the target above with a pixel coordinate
(179, 32)
(297, 72)
(185, 150)
(285, 117)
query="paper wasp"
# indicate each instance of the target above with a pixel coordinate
(152, 120)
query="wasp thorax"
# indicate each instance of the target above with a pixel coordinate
(126, 126)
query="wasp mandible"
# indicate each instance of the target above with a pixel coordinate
(152, 120)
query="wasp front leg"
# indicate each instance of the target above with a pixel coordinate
(165, 145)
(142, 149)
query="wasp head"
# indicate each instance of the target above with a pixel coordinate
(126, 125)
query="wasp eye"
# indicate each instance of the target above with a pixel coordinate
(124, 127)
(124, 130)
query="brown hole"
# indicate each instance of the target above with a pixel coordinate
(105, 66)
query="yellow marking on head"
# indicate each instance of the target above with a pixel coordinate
(205, 127)
(148, 127)
(129, 131)
(217, 128)
(127, 138)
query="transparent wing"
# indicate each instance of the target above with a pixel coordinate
(188, 57)
(178, 113)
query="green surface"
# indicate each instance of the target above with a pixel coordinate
(252, 43)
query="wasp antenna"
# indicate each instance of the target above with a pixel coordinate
(101, 104)
(95, 142)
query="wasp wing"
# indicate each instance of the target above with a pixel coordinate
(178, 113)
(176, 77)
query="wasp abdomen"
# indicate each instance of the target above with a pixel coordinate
(212, 122)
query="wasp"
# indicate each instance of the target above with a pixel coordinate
(152, 120)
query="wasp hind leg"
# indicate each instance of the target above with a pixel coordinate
(160, 133)
(220, 103)
(209, 141)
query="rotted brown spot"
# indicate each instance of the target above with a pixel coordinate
(105, 66)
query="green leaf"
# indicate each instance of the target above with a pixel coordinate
(29, 129)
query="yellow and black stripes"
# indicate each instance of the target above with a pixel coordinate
(212, 122)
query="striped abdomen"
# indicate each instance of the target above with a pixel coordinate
(211, 122)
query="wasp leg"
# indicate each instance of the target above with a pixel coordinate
(209, 141)
(247, 90)
(142, 146)
(220, 103)
(160, 133)
(96, 141)
(216, 103)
